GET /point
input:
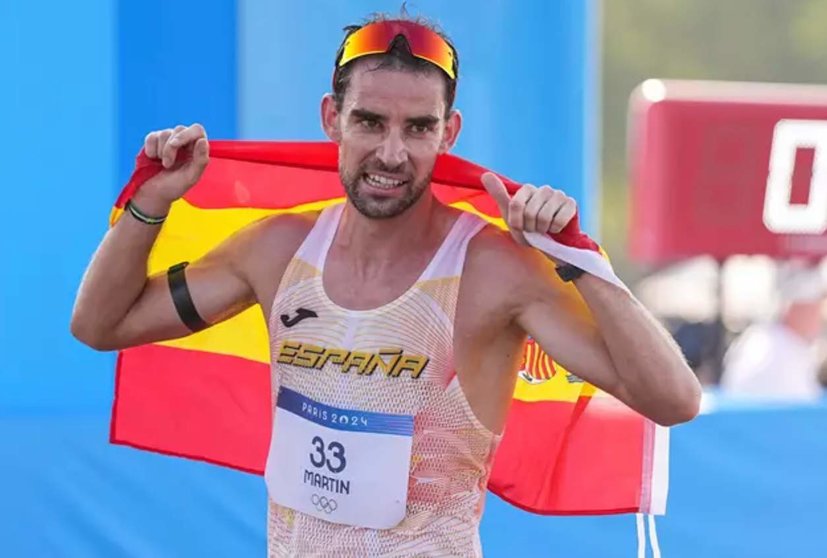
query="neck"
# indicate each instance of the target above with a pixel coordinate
(373, 243)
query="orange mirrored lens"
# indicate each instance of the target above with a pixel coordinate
(377, 37)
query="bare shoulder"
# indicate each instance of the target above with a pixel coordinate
(513, 277)
(493, 244)
(261, 251)
(495, 260)
(278, 234)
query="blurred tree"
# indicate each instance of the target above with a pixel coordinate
(739, 40)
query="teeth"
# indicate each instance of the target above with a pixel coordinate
(382, 182)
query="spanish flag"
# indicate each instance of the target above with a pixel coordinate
(568, 448)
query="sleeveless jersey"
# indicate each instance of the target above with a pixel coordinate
(451, 452)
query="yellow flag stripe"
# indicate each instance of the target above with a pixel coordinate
(190, 232)
(187, 235)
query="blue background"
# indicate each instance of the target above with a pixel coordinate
(83, 82)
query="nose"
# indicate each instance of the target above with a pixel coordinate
(392, 152)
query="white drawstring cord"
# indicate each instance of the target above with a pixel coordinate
(653, 537)
(641, 536)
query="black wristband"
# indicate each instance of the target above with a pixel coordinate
(182, 299)
(135, 211)
(568, 272)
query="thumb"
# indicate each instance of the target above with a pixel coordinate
(495, 187)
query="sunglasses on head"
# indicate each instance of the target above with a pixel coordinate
(377, 38)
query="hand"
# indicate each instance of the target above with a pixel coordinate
(180, 173)
(543, 210)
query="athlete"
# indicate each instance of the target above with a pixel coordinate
(430, 304)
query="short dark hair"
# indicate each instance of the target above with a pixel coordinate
(398, 57)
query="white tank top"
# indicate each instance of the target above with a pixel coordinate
(451, 452)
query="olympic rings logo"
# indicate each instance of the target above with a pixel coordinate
(323, 503)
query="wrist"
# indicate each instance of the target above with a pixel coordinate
(151, 205)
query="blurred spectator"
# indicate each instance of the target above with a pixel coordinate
(779, 359)
(697, 341)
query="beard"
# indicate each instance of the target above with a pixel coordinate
(377, 206)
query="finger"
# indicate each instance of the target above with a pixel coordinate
(151, 145)
(200, 158)
(157, 140)
(495, 187)
(546, 216)
(555, 199)
(516, 207)
(174, 145)
(162, 137)
(563, 216)
(539, 198)
(168, 153)
(176, 131)
(185, 137)
(188, 135)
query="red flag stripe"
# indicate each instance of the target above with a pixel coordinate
(577, 454)
(225, 421)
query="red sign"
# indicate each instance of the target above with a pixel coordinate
(728, 168)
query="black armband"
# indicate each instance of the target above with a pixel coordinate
(182, 299)
(568, 272)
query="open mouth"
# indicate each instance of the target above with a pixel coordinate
(380, 182)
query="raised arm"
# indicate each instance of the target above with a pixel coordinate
(117, 306)
(620, 348)
(617, 346)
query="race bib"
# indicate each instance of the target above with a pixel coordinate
(339, 465)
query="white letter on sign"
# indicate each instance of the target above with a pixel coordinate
(780, 215)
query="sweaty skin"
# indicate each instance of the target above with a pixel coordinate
(391, 128)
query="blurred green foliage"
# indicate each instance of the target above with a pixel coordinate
(739, 40)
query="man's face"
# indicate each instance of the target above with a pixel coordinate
(390, 130)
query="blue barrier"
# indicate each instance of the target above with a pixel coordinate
(746, 483)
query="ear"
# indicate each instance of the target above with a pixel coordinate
(330, 118)
(453, 124)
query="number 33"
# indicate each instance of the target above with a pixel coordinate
(319, 459)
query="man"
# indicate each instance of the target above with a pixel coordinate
(778, 360)
(376, 281)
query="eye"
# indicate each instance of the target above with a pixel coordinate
(370, 123)
(420, 129)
